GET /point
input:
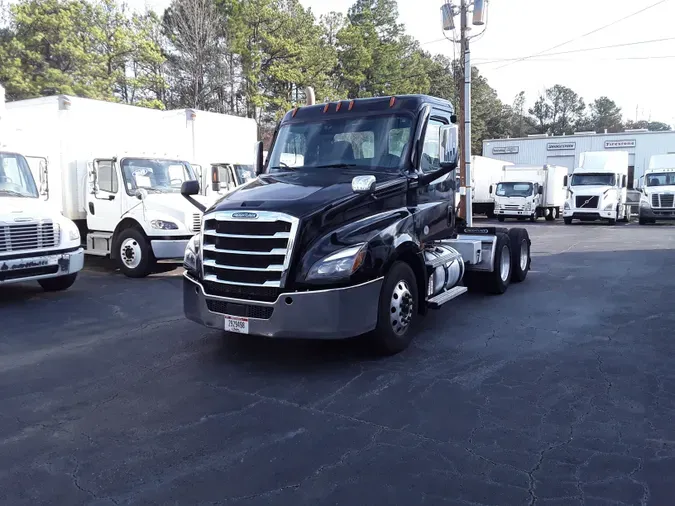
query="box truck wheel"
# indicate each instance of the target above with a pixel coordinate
(550, 214)
(134, 253)
(568, 221)
(58, 284)
(520, 254)
(397, 310)
(500, 218)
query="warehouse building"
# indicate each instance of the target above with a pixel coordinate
(565, 149)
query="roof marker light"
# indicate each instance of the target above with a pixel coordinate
(295, 111)
(351, 105)
(392, 100)
(337, 107)
(325, 107)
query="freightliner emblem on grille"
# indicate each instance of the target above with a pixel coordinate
(245, 215)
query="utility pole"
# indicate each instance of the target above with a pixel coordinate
(448, 12)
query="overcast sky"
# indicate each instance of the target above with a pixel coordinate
(639, 76)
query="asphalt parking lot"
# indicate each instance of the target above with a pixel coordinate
(560, 392)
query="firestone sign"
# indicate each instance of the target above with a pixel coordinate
(629, 143)
(505, 150)
(560, 146)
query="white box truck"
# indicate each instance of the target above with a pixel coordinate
(657, 199)
(37, 243)
(530, 191)
(485, 174)
(117, 170)
(597, 188)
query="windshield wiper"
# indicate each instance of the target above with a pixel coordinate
(336, 166)
(14, 193)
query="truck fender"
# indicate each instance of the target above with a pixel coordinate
(409, 252)
(123, 225)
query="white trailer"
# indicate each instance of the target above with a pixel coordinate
(657, 199)
(117, 170)
(37, 243)
(597, 188)
(530, 191)
(485, 174)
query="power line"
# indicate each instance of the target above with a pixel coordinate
(542, 60)
(584, 50)
(584, 35)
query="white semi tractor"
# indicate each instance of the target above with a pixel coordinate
(117, 170)
(37, 243)
(657, 199)
(530, 191)
(597, 188)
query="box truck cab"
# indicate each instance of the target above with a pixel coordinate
(225, 177)
(527, 191)
(657, 199)
(597, 188)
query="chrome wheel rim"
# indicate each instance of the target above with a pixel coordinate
(505, 267)
(401, 308)
(130, 253)
(524, 255)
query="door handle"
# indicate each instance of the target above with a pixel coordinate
(111, 197)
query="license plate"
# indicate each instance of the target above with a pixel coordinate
(236, 324)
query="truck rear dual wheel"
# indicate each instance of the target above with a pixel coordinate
(497, 281)
(134, 253)
(397, 310)
(58, 284)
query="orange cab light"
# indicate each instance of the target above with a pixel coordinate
(392, 100)
(325, 107)
(337, 108)
(295, 111)
(351, 105)
(214, 174)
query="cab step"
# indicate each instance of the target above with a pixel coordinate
(444, 297)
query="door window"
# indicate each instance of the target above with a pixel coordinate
(106, 177)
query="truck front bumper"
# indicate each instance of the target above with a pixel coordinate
(656, 214)
(169, 248)
(337, 313)
(514, 213)
(34, 266)
(589, 214)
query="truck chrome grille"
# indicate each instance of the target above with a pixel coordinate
(244, 255)
(196, 222)
(587, 201)
(29, 236)
(663, 200)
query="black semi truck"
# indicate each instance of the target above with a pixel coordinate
(349, 228)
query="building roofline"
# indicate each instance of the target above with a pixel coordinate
(577, 136)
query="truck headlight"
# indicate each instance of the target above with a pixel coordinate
(163, 225)
(338, 265)
(566, 206)
(70, 231)
(609, 207)
(528, 206)
(192, 254)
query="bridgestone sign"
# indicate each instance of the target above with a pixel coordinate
(560, 146)
(620, 144)
(505, 150)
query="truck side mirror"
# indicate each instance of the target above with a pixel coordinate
(259, 162)
(215, 178)
(540, 190)
(565, 182)
(364, 184)
(490, 189)
(448, 152)
(189, 188)
(623, 181)
(93, 177)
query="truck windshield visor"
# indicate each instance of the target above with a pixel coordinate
(155, 176)
(663, 179)
(244, 173)
(514, 189)
(16, 179)
(593, 180)
(371, 143)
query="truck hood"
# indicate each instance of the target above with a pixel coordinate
(24, 209)
(591, 190)
(296, 193)
(174, 205)
(660, 189)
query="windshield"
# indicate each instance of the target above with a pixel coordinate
(16, 179)
(372, 143)
(663, 179)
(155, 176)
(514, 189)
(593, 180)
(244, 173)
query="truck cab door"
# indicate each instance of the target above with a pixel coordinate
(104, 199)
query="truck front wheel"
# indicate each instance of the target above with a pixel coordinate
(568, 221)
(500, 218)
(58, 284)
(397, 310)
(134, 254)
